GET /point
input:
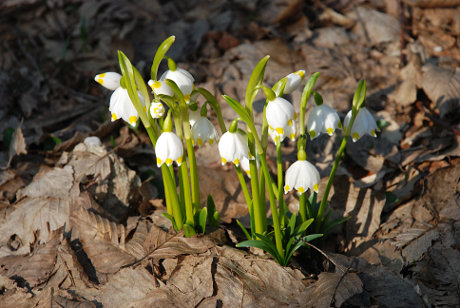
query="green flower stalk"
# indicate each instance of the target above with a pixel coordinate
(358, 101)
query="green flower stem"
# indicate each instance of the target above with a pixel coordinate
(303, 207)
(279, 163)
(191, 159)
(260, 216)
(172, 192)
(276, 221)
(193, 175)
(307, 90)
(167, 194)
(244, 187)
(322, 207)
(186, 191)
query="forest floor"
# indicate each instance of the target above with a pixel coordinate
(80, 225)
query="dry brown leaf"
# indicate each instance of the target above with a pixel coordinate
(119, 291)
(34, 269)
(442, 86)
(415, 242)
(31, 215)
(378, 27)
(56, 183)
(102, 240)
(18, 145)
(365, 208)
(333, 289)
(114, 185)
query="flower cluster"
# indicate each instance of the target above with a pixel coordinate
(169, 109)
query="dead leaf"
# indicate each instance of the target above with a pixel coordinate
(365, 208)
(17, 146)
(442, 86)
(378, 27)
(103, 241)
(333, 289)
(34, 269)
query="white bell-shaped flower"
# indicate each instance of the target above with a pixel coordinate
(122, 107)
(301, 175)
(322, 119)
(280, 115)
(233, 147)
(110, 80)
(157, 110)
(169, 148)
(203, 131)
(293, 81)
(364, 124)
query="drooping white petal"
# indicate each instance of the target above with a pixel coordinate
(160, 87)
(122, 107)
(233, 147)
(322, 119)
(289, 132)
(302, 176)
(157, 110)
(183, 81)
(364, 124)
(169, 148)
(110, 80)
(293, 81)
(203, 131)
(280, 115)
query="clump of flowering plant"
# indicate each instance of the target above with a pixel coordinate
(185, 126)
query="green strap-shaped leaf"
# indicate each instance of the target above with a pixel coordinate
(301, 229)
(212, 100)
(245, 231)
(127, 70)
(240, 110)
(159, 55)
(278, 88)
(360, 95)
(254, 81)
(202, 219)
(308, 89)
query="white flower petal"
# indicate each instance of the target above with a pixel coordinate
(322, 119)
(280, 114)
(203, 131)
(293, 81)
(233, 147)
(364, 124)
(302, 176)
(182, 80)
(169, 148)
(122, 107)
(157, 110)
(110, 80)
(160, 87)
